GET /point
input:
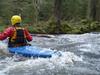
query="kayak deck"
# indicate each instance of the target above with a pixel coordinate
(31, 51)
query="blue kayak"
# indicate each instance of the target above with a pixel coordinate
(32, 51)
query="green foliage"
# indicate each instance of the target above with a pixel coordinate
(39, 14)
(74, 9)
(71, 9)
(68, 27)
(51, 26)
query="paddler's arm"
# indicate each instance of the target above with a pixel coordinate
(28, 35)
(7, 33)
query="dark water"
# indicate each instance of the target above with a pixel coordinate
(81, 56)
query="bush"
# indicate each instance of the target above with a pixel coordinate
(67, 27)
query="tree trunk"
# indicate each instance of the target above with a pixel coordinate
(35, 3)
(97, 17)
(89, 10)
(57, 12)
(94, 10)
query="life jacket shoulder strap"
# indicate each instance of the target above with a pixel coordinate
(19, 28)
(15, 33)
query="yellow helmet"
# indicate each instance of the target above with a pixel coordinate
(15, 19)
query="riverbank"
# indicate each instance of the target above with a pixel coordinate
(67, 27)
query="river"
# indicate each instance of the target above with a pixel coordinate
(81, 56)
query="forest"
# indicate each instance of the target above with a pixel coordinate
(53, 16)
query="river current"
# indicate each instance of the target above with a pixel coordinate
(81, 56)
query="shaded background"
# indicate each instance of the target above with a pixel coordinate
(53, 16)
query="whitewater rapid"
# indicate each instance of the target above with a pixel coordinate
(81, 56)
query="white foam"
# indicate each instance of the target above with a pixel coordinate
(40, 66)
(3, 49)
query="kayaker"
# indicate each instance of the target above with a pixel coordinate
(16, 34)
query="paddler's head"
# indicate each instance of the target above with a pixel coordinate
(16, 19)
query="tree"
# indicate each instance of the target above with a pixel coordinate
(97, 17)
(57, 13)
(94, 10)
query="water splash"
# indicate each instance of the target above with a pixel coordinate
(80, 56)
(40, 66)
